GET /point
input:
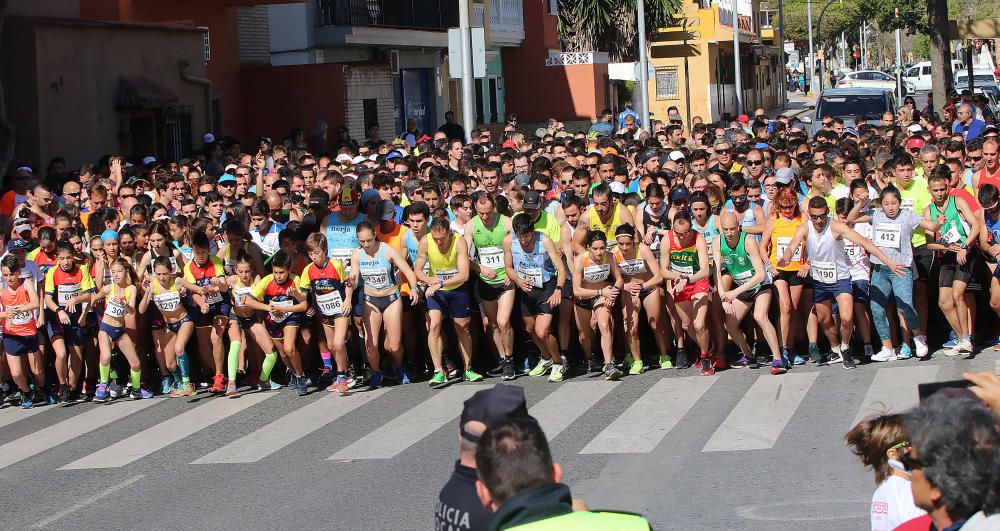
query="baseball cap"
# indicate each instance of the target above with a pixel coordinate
(522, 179)
(915, 143)
(541, 132)
(226, 178)
(22, 225)
(617, 188)
(137, 179)
(915, 128)
(646, 155)
(385, 210)
(358, 160)
(349, 196)
(674, 117)
(492, 406)
(394, 155)
(17, 244)
(230, 167)
(318, 197)
(208, 138)
(508, 145)
(532, 200)
(367, 196)
(676, 155)
(146, 161)
(851, 131)
(784, 176)
(761, 145)
(679, 193)
(342, 158)
(743, 119)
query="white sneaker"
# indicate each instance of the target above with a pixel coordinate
(886, 354)
(964, 345)
(921, 344)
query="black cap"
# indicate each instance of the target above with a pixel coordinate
(318, 197)
(492, 406)
(532, 200)
(385, 210)
(646, 155)
(679, 193)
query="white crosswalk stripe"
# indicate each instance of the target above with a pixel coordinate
(410, 427)
(12, 414)
(69, 429)
(560, 409)
(760, 417)
(288, 429)
(648, 420)
(167, 432)
(895, 389)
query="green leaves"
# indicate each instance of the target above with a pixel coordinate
(610, 25)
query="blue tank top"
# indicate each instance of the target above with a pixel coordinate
(992, 225)
(710, 231)
(377, 272)
(342, 236)
(535, 266)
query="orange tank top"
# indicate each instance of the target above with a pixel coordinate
(22, 323)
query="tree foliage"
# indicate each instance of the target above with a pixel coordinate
(610, 25)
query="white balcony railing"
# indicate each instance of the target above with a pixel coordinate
(506, 21)
(575, 58)
(477, 15)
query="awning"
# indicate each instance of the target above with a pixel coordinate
(142, 92)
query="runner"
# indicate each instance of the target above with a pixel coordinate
(685, 267)
(245, 324)
(164, 291)
(596, 285)
(68, 293)
(603, 215)
(120, 295)
(209, 307)
(792, 281)
(19, 300)
(640, 273)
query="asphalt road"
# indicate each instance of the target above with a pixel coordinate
(740, 450)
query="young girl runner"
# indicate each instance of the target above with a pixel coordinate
(211, 306)
(596, 284)
(68, 290)
(160, 244)
(163, 290)
(121, 298)
(19, 300)
(244, 323)
(640, 272)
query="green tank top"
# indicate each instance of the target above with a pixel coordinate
(489, 248)
(737, 261)
(952, 231)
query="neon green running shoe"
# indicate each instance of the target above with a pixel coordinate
(540, 369)
(473, 376)
(557, 373)
(440, 379)
(636, 367)
(665, 362)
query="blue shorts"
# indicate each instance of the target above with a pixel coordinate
(860, 289)
(823, 291)
(204, 320)
(277, 330)
(20, 345)
(175, 327)
(114, 332)
(156, 321)
(72, 334)
(244, 322)
(455, 303)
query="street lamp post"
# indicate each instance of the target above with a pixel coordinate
(643, 64)
(811, 62)
(736, 60)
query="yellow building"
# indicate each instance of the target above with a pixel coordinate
(694, 66)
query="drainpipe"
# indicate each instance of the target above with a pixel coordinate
(206, 84)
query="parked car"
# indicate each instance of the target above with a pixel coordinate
(920, 74)
(849, 103)
(979, 77)
(873, 79)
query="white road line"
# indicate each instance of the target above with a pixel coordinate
(648, 420)
(12, 414)
(894, 390)
(288, 429)
(167, 432)
(52, 436)
(557, 411)
(407, 429)
(80, 505)
(760, 417)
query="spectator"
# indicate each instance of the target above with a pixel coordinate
(317, 142)
(967, 124)
(452, 130)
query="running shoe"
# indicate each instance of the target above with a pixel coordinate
(814, 355)
(452, 370)
(886, 354)
(683, 361)
(798, 360)
(300, 387)
(218, 384)
(165, 384)
(402, 377)
(665, 362)
(964, 345)
(507, 368)
(102, 393)
(231, 388)
(139, 394)
(921, 343)
(270, 385)
(594, 367)
(834, 357)
(326, 376)
(185, 389)
(339, 385)
(26, 402)
(75, 396)
(50, 398)
(952, 340)
(527, 365)
(905, 353)
(611, 372)
(778, 367)
(783, 351)
(707, 369)
(752, 362)
(543, 367)
(636, 367)
(741, 363)
(558, 371)
(473, 376)
(848, 360)
(64, 394)
(719, 362)
(376, 380)
(439, 380)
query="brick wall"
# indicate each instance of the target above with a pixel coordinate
(252, 31)
(367, 82)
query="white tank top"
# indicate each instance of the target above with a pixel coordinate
(828, 261)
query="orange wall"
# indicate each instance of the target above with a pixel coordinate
(307, 93)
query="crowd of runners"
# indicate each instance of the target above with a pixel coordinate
(334, 264)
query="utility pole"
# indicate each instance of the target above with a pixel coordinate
(861, 45)
(781, 45)
(811, 60)
(468, 90)
(736, 60)
(899, 69)
(643, 66)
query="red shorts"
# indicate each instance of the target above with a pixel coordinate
(689, 291)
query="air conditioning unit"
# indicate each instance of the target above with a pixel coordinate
(393, 61)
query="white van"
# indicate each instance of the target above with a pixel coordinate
(920, 74)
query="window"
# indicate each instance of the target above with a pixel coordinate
(926, 70)
(666, 83)
(554, 7)
(370, 106)
(206, 43)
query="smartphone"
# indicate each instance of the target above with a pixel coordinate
(925, 390)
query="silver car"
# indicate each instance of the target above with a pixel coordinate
(849, 103)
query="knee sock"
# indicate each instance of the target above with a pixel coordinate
(184, 366)
(233, 359)
(136, 376)
(269, 361)
(105, 372)
(327, 360)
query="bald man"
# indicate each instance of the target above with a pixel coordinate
(967, 124)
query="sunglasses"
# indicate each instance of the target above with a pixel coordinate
(817, 217)
(911, 463)
(723, 151)
(786, 207)
(72, 194)
(975, 159)
(126, 196)
(228, 184)
(754, 162)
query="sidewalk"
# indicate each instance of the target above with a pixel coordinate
(798, 105)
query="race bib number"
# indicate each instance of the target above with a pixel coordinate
(684, 269)
(444, 275)
(330, 304)
(596, 273)
(281, 304)
(21, 318)
(907, 204)
(532, 274)
(742, 277)
(239, 294)
(888, 235)
(229, 265)
(951, 234)
(65, 292)
(344, 255)
(824, 272)
(632, 267)
(783, 245)
(116, 308)
(375, 277)
(491, 257)
(168, 302)
(214, 298)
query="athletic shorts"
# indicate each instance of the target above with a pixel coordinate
(156, 321)
(751, 295)
(72, 333)
(244, 322)
(952, 271)
(860, 290)
(455, 303)
(923, 260)
(20, 345)
(204, 320)
(114, 332)
(175, 327)
(586, 304)
(691, 290)
(793, 279)
(277, 330)
(823, 291)
(536, 301)
(490, 292)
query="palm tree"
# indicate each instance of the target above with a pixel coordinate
(610, 25)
